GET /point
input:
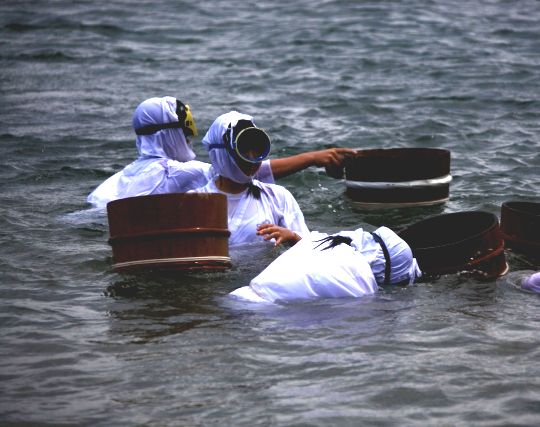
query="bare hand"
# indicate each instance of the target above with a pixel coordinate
(333, 160)
(280, 234)
(331, 156)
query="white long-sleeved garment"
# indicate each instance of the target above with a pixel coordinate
(276, 204)
(308, 270)
(245, 212)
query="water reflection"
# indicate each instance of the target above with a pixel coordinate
(364, 314)
(168, 303)
(147, 307)
(397, 218)
(515, 280)
(519, 260)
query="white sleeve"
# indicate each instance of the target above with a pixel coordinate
(185, 176)
(105, 192)
(264, 174)
(152, 177)
(293, 218)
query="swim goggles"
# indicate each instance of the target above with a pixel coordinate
(186, 122)
(252, 144)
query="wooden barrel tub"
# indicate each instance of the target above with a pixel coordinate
(520, 227)
(458, 242)
(179, 231)
(398, 177)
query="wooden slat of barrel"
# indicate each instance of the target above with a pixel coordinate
(463, 241)
(180, 231)
(397, 164)
(416, 195)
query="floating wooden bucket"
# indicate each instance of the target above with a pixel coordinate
(520, 227)
(398, 177)
(179, 231)
(457, 242)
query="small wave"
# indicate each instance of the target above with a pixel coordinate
(45, 56)
(92, 218)
(56, 23)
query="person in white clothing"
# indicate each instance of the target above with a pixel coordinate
(166, 162)
(347, 264)
(237, 149)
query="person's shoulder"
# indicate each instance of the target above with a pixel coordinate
(190, 164)
(276, 190)
(210, 187)
(191, 174)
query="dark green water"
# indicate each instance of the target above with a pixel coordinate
(81, 345)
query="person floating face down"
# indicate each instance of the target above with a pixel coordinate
(166, 162)
(236, 149)
(347, 264)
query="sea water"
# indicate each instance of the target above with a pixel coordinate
(82, 345)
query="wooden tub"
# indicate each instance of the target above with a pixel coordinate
(458, 242)
(179, 231)
(398, 177)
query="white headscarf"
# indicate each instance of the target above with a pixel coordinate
(222, 161)
(403, 265)
(166, 143)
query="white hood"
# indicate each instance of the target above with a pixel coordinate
(168, 144)
(403, 265)
(222, 161)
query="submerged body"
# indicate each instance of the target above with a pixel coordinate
(313, 270)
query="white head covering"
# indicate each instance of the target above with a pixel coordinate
(222, 161)
(165, 143)
(403, 265)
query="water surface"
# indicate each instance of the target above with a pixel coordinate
(82, 345)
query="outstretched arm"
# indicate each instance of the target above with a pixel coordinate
(280, 234)
(331, 158)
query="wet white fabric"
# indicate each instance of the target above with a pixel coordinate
(275, 206)
(223, 163)
(308, 271)
(303, 272)
(151, 176)
(165, 162)
(403, 265)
